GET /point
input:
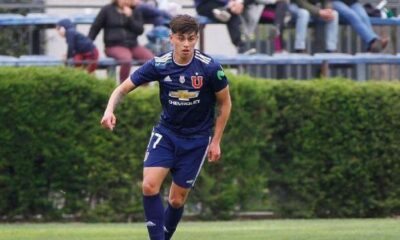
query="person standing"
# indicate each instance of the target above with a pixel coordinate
(122, 25)
(191, 85)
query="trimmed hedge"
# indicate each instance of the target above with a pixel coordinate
(337, 149)
(300, 148)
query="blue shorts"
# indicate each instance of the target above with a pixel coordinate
(184, 156)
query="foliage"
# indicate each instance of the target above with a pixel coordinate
(336, 149)
(309, 149)
(315, 229)
(14, 39)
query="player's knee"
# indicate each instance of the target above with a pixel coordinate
(149, 188)
(176, 202)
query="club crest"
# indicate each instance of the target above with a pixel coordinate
(197, 81)
(182, 79)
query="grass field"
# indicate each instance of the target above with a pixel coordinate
(354, 229)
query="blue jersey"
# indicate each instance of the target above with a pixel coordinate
(187, 92)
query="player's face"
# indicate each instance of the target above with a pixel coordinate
(184, 43)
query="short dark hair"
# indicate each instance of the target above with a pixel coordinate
(184, 23)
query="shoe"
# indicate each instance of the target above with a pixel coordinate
(378, 45)
(246, 50)
(221, 15)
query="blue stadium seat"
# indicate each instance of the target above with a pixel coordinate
(42, 18)
(10, 19)
(39, 60)
(376, 58)
(295, 58)
(9, 16)
(335, 58)
(385, 21)
(106, 61)
(8, 61)
(83, 18)
(265, 59)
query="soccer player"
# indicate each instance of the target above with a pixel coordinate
(191, 85)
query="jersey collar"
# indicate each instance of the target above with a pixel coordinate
(183, 65)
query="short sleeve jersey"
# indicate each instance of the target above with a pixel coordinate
(187, 92)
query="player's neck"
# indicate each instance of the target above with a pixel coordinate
(182, 60)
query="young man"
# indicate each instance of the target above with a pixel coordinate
(191, 84)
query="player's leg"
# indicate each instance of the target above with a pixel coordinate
(153, 177)
(174, 210)
(192, 153)
(157, 162)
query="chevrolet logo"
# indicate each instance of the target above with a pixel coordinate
(183, 95)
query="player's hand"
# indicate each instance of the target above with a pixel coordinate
(214, 152)
(326, 14)
(108, 121)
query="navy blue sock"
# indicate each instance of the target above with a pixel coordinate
(154, 211)
(172, 218)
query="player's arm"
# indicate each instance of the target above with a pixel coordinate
(224, 109)
(109, 120)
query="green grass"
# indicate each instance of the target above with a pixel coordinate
(354, 229)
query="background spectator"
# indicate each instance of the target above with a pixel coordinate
(276, 11)
(122, 25)
(302, 9)
(80, 47)
(158, 38)
(151, 13)
(226, 12)
(172, 7)
(251, 17)
(353, 13)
